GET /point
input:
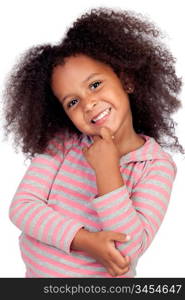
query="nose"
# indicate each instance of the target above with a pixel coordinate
(89, 104)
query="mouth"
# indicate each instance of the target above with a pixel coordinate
(99, 119)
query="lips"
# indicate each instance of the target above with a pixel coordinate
(100, 115)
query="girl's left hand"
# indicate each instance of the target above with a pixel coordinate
(103, 153)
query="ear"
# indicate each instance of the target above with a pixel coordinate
(127, 83)
(130, 89)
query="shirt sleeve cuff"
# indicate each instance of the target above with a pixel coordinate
(67, 240)
(110, 198)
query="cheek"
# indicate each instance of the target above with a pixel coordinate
(123, 100)
(117, 95)
(79, 122)
(76, 117)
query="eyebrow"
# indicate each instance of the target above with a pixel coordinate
(87, 79)
(90, 76)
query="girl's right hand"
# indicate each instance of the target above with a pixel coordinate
(101, 246)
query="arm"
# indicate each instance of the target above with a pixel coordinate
(141, 214)
(29, 209)
(108, 180)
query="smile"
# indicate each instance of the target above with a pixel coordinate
(101, 117)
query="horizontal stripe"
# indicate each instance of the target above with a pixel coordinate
(58, 195)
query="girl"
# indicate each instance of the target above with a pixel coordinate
(92, 113)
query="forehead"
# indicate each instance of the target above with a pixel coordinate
(82, 62)
(79, 67)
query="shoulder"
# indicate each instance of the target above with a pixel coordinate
(162, 168)
(156, 161)
(61, 142)
(57, 147)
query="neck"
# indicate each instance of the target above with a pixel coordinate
(128, 141)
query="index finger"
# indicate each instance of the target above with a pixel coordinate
(96, 138)
(106, 133)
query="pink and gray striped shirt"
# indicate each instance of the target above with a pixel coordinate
(58, 195)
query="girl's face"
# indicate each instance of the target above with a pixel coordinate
(92, 95)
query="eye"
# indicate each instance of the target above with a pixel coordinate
(95, 84)
(71, 103)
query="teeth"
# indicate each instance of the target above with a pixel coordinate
(100, 116)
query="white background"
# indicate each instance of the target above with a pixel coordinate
(27, 23)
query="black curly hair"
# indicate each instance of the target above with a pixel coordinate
(124, 40)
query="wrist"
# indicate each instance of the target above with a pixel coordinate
(80, 239)
(108, 180)
(109, 168)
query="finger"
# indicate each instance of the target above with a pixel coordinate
(84, 149)
(120, 237)
(96, 138)
(127, 259)
(123, 263)
(115, 270)
(120, 272)
(106, 133)
(121, 266)
(111, 272)
(119, 260)
(118, 264)
(125, 270)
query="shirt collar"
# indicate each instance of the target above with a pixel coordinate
(150, 150)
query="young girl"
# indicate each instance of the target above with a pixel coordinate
(92, 114)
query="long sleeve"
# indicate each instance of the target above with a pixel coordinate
(29, 209)
(139, 214)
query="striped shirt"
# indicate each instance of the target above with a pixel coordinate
(58, 195)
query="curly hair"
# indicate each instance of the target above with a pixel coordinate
(124, 40)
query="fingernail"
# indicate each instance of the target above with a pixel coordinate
(128, 237)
